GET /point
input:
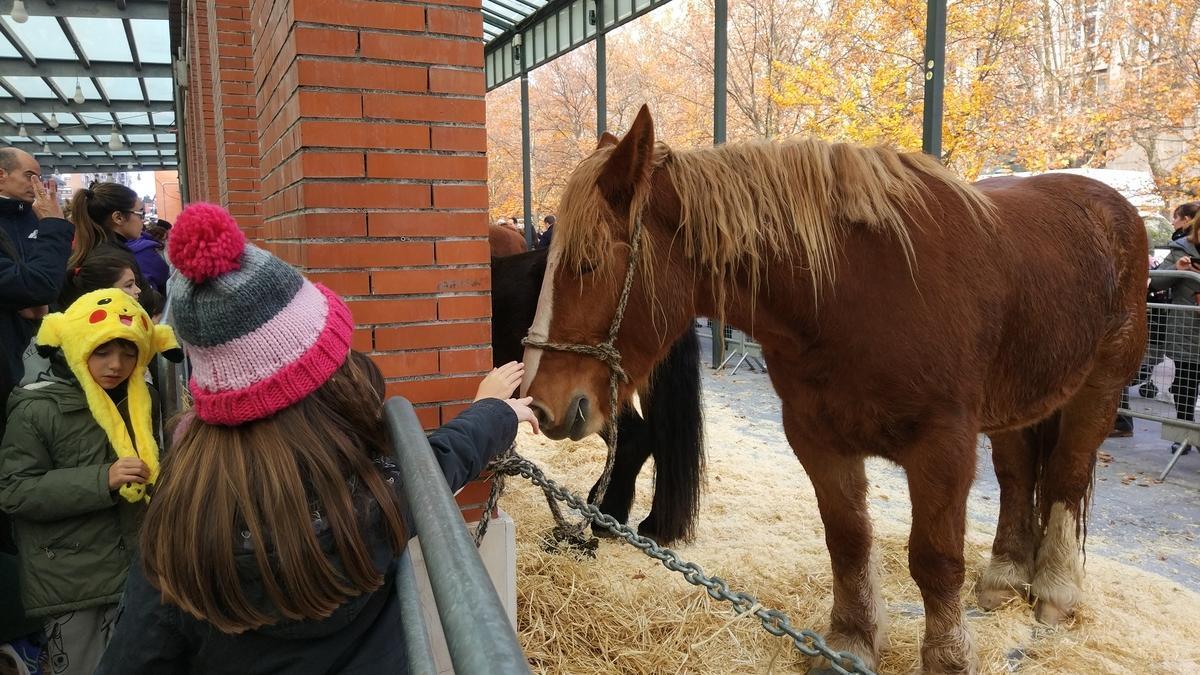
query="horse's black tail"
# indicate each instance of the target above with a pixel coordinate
(675, 429)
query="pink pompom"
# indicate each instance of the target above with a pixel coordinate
(205, 242)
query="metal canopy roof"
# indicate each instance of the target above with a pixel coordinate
(547, 30)
(116, 54)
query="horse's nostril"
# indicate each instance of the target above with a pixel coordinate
(543, 416)
(581, 412)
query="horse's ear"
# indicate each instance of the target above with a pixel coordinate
(630, 163)
(606, 139)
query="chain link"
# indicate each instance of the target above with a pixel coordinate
(773, 621)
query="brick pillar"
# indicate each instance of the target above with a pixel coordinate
(235, 124)
(372, 142)
(202, 174)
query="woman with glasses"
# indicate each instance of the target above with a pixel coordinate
(113, 213)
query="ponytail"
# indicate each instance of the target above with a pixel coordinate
(91, 210)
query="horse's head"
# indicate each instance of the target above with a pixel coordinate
(591, 254)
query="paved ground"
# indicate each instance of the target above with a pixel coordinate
(1134, 518)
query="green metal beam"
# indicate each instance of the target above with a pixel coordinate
(554, 46)
(14, 67)
(935, 77)
(99, 9)
(53, 105)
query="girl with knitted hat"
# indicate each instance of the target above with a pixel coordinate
(271, 541)
(76, 465)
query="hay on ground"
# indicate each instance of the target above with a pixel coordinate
(623, 612)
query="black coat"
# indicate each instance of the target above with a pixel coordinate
(362, 636)
(33, 265)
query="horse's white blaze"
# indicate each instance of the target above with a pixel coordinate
(1059, 575)
(540, 330)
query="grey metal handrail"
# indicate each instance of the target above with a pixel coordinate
(416, 636)
(478, 633)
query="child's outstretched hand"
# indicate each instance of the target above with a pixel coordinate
(524, 412)
(127, 470)
(501, 382)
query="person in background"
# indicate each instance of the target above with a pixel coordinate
(1182, 327)
(35, 242)
(109, 266)
(159, 231)
(113, 213)
(547, 234)
(75, 463)
(286, 454)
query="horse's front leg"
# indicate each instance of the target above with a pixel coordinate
(632, 453)
(940, 470)
(858, 621)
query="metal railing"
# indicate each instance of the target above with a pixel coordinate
(735, 344)
(478, 633)
(1169, 377)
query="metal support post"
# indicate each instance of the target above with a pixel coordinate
(526, 149)
(935, 77)
(720, 102)
(601, 72)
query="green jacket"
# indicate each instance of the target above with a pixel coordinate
(75, 537)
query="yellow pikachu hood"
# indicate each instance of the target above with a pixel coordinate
(92, 320)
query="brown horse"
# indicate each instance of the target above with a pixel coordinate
(902, 312)
(505, 241)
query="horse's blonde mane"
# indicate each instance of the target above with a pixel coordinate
(746, 206)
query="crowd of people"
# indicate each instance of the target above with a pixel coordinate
(263, 536)
(544, 234)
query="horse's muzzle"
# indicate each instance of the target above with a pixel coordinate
(573, 423)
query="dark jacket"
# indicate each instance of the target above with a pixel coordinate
(147, 251)
(33, 260)
(75, 537)
(1181, 328)
(544, 240)
(364, 636)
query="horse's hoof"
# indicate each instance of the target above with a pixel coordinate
(603, 532)
(1051, 614)
(994, 598)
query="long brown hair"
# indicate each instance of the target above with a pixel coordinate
(254, 487)
(91, 209)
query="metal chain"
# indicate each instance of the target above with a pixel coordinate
(773, 621)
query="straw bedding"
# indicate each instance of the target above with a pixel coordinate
(623, 612)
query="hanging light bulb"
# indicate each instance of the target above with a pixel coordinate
(78, 97)
(114, 141)
(22, 131)
(46, 148)
(53, 120)
(19, 13)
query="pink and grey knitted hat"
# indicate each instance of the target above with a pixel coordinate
(259, 335)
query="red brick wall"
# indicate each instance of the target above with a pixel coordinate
(373, 173)
(235, 118)
(202, 169)
(348, 137)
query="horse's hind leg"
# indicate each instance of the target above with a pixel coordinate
(1015, 460)
(1064, 493)
(858, 620)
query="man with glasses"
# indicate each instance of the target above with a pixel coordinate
(35, 241)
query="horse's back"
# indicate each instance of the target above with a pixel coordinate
(505, 241)
(1077, 257)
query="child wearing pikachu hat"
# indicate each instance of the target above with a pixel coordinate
(77, 463)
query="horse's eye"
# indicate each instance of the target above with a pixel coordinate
(103, 301)
(586, 268)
